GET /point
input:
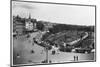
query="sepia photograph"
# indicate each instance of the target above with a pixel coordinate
(52, 33)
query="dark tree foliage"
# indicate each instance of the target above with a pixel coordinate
(61, 27)
(45, 36)
(40, 26)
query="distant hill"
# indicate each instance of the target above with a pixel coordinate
(62, 27)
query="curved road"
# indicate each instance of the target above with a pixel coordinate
(75, 41)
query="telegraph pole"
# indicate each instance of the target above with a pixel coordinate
(46, 54)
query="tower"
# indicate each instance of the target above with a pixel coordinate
(29, 16)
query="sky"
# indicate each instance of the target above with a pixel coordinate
(55, 13)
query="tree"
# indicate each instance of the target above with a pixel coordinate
(40, 26)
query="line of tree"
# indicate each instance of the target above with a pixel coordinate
(62, 27)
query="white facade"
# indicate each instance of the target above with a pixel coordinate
(29, 25)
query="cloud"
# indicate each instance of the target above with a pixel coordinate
(27, 6)
(23, 5)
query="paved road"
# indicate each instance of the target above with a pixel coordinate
(24, 47)
(79, 39)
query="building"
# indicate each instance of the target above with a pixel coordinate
(18, 26)
(22, 25)
(30, 24)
